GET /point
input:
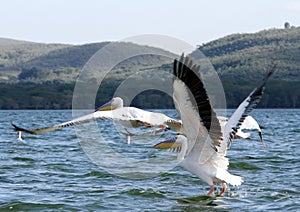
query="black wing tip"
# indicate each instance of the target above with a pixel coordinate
(255, 98)
(15, 127)
(184, 60)
(261, 139)
(270, 72)
(19, 129)
(258, 91)
(183, 64)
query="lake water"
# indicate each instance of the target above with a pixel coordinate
(70, 170)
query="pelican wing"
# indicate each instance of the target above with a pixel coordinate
(250, 124)
(130, 117)
(199, 120)
(104, 115)
(238, 117)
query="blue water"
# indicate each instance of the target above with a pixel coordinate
(61, 170)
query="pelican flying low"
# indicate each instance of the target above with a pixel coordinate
(128, 117)
(204, 145)
(249, 123)
(132, 117)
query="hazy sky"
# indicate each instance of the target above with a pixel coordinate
(193, 21)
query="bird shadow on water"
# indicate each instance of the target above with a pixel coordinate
(201, 202)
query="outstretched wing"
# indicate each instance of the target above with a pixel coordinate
(237, 118)
(198, 117)
(104, 115)
(130, 117)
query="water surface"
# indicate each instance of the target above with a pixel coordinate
(53, 172)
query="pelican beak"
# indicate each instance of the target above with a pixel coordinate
(167, 144)
(106, 106)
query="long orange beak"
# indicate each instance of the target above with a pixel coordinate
(106, 106)
(167, 144)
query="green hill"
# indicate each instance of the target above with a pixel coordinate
(14, 53)
(34, 62)
(242, 59)
(45, 74)
(245, 55)
(35, 75)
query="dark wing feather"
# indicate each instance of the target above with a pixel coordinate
(189, 74)
(246, 107)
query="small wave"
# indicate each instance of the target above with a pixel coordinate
(198, 203)
(243, 166)
(196, 199)
(145, 193)
(22, 159)
(25, 206)
(97, 174)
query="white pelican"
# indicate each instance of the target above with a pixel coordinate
(132, 117)
(129, 117)
(248, 124)
(204, 146)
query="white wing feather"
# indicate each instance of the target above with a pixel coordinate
(130, 117)
(199, 143)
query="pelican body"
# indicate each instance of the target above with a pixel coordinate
(204, 142)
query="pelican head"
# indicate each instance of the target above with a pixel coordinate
(177, 144)
(115, 103)
(168, 144)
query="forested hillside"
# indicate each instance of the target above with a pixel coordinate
(241, 60)
(42, 76)
(245, 55)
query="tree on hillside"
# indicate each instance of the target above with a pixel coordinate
(28, 73)
(287, 25)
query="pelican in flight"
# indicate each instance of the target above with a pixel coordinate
(204, 143)
(128, 117)
(132, 117)
(248, 124)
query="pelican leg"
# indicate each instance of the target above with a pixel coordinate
(223, 189)
(128, 138)
(20, 136)
(211, 191)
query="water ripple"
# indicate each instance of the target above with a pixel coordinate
(51, 172)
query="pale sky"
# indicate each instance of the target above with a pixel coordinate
(193, 21)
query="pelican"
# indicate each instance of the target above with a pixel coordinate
(132, 117)
(204, 145)
(128, 117)
(248, 124)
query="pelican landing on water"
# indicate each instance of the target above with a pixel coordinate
(204, 142)
(128, 117)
